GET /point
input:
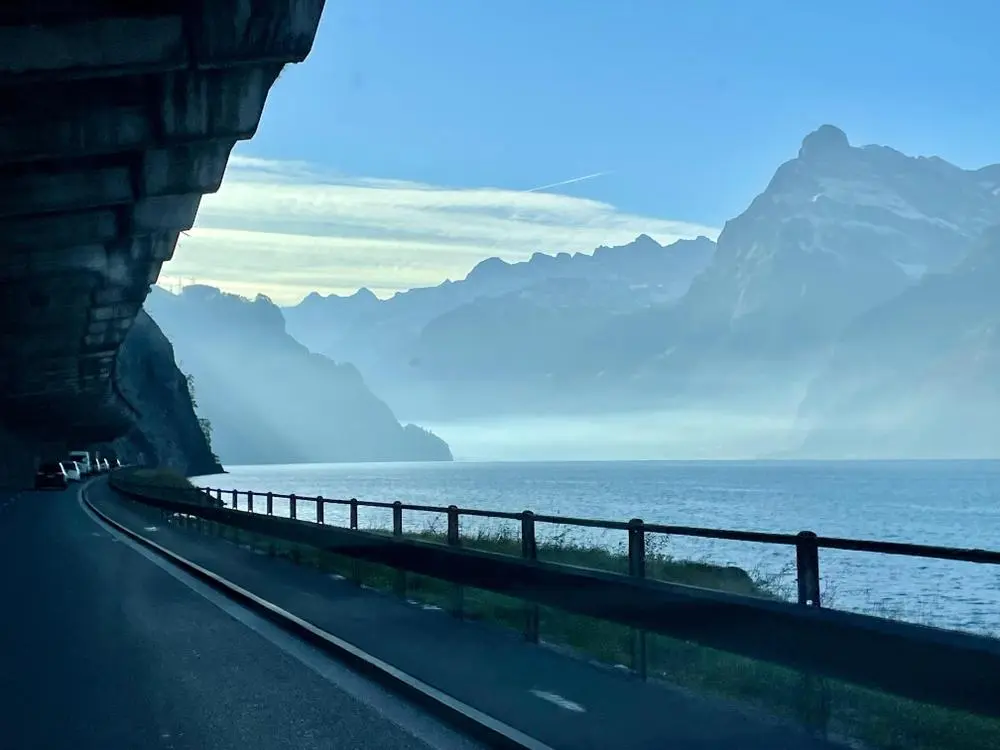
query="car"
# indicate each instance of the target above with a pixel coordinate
(51, 474)
(72, 469)
(83, 459)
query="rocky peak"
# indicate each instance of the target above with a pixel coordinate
(827, 141)
(488, 268)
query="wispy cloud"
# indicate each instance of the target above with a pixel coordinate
(286, 228)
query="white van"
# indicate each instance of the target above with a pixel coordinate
(83, 459)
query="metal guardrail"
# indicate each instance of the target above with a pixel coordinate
(946, 668)
(806, 543)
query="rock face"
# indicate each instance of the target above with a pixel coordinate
(268, 398)
(167, 432)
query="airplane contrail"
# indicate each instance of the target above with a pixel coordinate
(567, 182)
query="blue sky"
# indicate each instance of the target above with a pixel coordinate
(688, 108)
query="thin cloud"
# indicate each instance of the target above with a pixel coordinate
(285, 229)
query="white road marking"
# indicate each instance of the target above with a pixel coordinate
(149, 528)
(559, 701)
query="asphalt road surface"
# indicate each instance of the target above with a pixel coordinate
(103, 647)
(562, 701)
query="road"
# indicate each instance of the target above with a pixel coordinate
(104, 647)
(564, 702)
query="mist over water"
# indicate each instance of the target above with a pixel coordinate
(694, 434)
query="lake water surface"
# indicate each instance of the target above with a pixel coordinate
(951, 503)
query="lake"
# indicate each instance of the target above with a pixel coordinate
(951, 503)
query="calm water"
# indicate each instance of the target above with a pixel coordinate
(952, 503)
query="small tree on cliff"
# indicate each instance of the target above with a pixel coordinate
(204, 424)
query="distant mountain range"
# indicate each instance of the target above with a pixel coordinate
(268, 398)
(853, 294)
(497, 323)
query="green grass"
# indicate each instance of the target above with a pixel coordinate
(165, 478)
(877, 720)
(163, 484)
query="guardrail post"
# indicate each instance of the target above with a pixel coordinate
(270, 503)
(637, 569)
(250, 500)
(529, 551)
(218, 496)
(292, 510)
(454, 539)
(399, 585)
(320, 503)
(355, 562)
(236, 500)
(807, 568)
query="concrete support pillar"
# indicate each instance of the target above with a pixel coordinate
(51, 451)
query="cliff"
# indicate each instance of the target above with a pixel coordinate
(168, 433)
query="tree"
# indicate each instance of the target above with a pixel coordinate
(203, 423)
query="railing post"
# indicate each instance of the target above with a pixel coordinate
(355, 562)
(637, 569)
(454, 539)
(272, 549)
(814, 691)
(397, 532)
(236, 500)
(529, 551)
(218, 496)
(250, 500)
(292, 510)
(807, 568)
(320, 502)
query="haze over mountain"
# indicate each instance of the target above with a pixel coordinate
(919, 375)
(269, 399)
(812, 289)
(497, 318)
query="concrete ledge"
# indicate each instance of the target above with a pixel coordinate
(121, 116)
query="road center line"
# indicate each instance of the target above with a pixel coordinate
(558, 700)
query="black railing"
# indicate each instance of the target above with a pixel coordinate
(806, 543)
(957, 670)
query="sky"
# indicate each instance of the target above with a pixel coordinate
(420, 138)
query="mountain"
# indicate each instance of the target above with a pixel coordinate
(499, 314)
(848, 295)
(838, 231)
(920, 375)
(268, 398)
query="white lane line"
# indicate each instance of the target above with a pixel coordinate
(149, 528)
(409, 718)
(558, 700)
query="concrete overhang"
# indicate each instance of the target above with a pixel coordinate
(115, 118)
